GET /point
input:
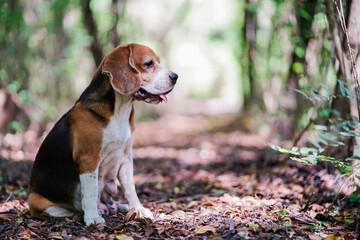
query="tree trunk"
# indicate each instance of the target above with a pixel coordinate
(90, 25)
(249, 31)
(340, 103)
(303, 27)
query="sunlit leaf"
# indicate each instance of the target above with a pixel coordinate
(253, 226)
(327, 90)
(205, 229)
(123, 237)
(305, 160)
(283, 212)
(282, 150)
(331, 237)
(306, 150)
(320, 127)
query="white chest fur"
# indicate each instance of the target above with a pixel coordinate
(117, 139)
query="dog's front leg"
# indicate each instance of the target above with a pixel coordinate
(89, 197)
(126, 178)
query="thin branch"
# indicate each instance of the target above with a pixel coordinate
(352, 58)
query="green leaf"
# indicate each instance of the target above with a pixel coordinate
(13, 86)
(306, 150)
(346, 171)
(304, 14)
(348, 93)
(317, 98)
(313, 143)
(320, 127)
(320, 139)
(283, 212)
(343, 126)
(302, 93)
(282, 150)
(298, 67)
(24, 95)
(295, 149)
(342, 87)
(355, 196)
(349, 134)
(299, 51)
(306, 161)
(253, 226)
(16, 126)
(328, 136)
(326, 90)
(357, 150)
(288, 225)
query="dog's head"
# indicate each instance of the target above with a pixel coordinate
(135, 70)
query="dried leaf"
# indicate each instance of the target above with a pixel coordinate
(54, 235)
(179, 214)
(205, 229)
(192, 221)
(123, 237)
(4, 219)
(148, 231)
(331, 237)
(270, 202)
(130, 215)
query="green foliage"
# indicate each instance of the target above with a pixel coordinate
(355, 196)
(331, 135)
(16, 126)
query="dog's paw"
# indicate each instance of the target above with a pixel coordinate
(142, 212)
(96, 219)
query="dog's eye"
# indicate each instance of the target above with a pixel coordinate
(149, 64)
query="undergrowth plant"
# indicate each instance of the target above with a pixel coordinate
(328, 136)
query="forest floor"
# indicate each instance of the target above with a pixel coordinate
(202, 177)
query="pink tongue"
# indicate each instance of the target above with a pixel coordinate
(163, 97)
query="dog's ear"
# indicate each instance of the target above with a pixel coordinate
(120, 68)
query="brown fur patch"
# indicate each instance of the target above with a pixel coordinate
(87, 138)
(132, 118)
(38, 205)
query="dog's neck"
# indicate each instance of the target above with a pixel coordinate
(123, 105)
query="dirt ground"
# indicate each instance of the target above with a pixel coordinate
(202, 177)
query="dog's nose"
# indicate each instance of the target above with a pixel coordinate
(173, 77)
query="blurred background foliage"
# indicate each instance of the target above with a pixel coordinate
(233, 56)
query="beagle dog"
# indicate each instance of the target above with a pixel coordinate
(77, 165)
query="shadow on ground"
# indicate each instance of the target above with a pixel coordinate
(202, 177)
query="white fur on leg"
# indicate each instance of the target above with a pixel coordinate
(127, 183)
(89, 198)
(56, 211)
